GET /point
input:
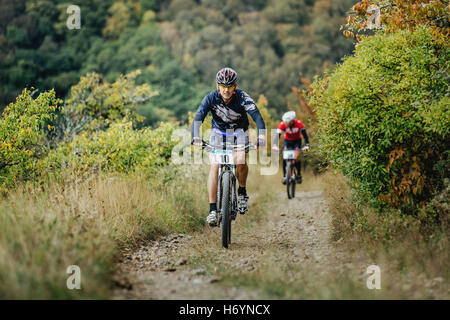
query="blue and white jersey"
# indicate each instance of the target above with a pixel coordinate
(232, 115)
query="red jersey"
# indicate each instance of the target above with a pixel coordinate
(293, 132)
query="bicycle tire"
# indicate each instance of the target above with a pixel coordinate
(293, 182)
(226, 209)
(288, 179)
(233, 207)
(229, 233)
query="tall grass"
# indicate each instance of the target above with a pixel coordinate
(46, 228)
(414, 250)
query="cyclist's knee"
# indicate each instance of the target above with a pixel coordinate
(241, 166)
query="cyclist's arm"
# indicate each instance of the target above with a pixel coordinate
(280, 132)
(200, 116)
(260, 124)
(305, 136)
(253, 111)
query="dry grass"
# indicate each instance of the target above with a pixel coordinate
(44, 230)
(415, 263)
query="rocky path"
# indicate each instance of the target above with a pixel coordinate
(292, 242)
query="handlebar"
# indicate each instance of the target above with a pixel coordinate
(206, 145)
(282, 149)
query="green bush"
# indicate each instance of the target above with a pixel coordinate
(384, 118)
(119, 148)
(107, 102)
(23, 126)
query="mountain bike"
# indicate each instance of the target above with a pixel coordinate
(289, 156)
(226, 184)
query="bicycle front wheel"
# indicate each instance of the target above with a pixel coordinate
(226, 209)
(288, 179)
(292, 176)
(293, 182)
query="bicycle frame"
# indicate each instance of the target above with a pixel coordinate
(292, 161)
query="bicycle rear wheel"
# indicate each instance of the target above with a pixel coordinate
(226, 209)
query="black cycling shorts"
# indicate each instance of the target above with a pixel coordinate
(292, 144)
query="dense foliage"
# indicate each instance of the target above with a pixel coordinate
(22, 132)
(178, 45)
(384, 117)
(269, 42)
(36, 47)
(94, 130)
(105, 102)
(391, 16)
(119, 149)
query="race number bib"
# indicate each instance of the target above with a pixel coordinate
(222, 156)
(288, 154)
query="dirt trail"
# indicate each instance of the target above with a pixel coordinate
(291, 242)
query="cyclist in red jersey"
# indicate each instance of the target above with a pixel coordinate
(294, 131)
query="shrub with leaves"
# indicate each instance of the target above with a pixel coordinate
(22, 129)
(384, 117)
(119, 148)
(94, 104)
(107, 102)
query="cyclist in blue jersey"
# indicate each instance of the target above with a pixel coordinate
(229, 107)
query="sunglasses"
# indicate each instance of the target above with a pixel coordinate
(223, 87)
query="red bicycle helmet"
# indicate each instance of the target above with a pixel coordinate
(226, 76)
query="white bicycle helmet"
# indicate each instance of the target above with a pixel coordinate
(288, 116)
